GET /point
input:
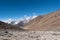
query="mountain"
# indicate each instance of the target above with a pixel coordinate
(8, 26)
(46, 22)
(15, 23)
(20, 22)
(25, 19)
(24, 22)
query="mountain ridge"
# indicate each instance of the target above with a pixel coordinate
(9, 26)
(48, 22)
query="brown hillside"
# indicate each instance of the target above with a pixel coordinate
(45, 23)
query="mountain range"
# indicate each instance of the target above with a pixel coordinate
(48, 22)
(15, 23)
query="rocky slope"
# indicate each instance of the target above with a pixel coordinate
(29, 35)
(49, 22)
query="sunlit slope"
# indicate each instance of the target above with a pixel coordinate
(47, 22)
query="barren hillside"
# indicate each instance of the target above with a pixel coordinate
(45, 23)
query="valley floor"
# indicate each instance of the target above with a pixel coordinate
(29, 35)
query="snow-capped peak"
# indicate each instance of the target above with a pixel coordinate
(8, 20)
(25, 19)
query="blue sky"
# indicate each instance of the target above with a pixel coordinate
(19, 8)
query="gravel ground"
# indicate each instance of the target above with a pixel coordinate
(29, 35)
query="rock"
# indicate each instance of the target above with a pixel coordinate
(30, 35)
(6, 39)
(6, 31)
